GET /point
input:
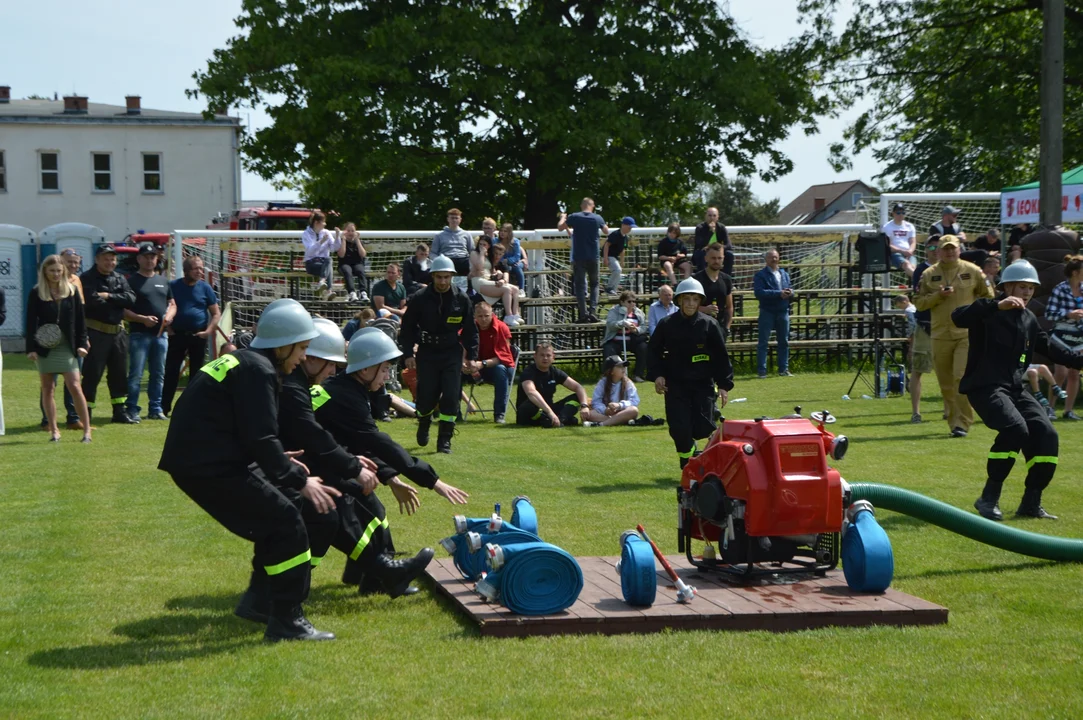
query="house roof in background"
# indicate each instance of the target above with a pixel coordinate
(799, 210)
(50, 111)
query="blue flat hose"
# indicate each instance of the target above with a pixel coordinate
(967, 524)
(638, 573)
(867, 561)
(524, 516)
(471, 563)
(536, 579)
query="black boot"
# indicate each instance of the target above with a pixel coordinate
(988, 509)
(423, 424)
(290, 623)
(1031, 506)
(255, 604)
(352, 573)
(397, 574)
(443, 437)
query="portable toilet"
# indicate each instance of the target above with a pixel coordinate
(81, 237)
(18, 274)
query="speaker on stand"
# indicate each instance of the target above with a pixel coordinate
(872, 260)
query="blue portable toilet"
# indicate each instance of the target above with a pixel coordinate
(18, 273)
(81, 237)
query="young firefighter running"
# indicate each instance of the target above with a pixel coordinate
(1003, 337)
(686, 358)
(226, 419)
(342, 407)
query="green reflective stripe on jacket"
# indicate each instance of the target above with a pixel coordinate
(367, 536)
(700, 358)
(217, 369)
(1003, 455)
(319, 396)
(293, 562)
(1052, 459)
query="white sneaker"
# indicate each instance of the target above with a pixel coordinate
(329, 295)
(363, 297)
(320, 286)
(351, 297)
(589, 423)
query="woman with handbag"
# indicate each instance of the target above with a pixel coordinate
(56, 337)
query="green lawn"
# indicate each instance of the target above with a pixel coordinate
(117, 590)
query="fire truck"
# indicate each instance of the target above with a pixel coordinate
(263, 216)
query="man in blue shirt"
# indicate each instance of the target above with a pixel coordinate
(193, 326)
(661, 308)
(772, 288)
(586, 227)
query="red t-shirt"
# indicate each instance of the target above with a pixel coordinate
(495, 342)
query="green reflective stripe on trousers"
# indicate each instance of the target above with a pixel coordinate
(1052, 459)
(367, 536)
(446, 418)
(319, 397)
(90, 405)
(118, 401)
(574, 403)
(288, 564)
(688, 454)
(217, 369)
(1003, 455)
(316, 561)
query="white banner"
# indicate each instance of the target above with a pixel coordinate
(1021, 206)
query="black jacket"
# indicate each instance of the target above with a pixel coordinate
(689, 351)
(435, 319)
(703, 236)
(121, 296)
(413, 275)
(227, 418)
(1002, 343)
(347, 416)
(66, 312)
(299, 430)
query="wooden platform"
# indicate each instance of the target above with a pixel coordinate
(779, 605)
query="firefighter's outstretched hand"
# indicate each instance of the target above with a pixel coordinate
(406, 495)
(723, 397)
(453, 495)
(366, 463)
(1011, 303)
(660, 386)
(321, 496)
(368, 481)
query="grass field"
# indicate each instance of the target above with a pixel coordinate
(117, 590)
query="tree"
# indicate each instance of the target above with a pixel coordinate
(391, 111)
(952, 85)
(736, 204)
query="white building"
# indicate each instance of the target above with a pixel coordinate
(121, 168)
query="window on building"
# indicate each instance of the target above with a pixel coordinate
(103, 172)
(3, 174)
(49, 162)
(152, 172)
(855, 199)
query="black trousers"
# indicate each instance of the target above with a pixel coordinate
(690, 416)
(255, 510)
(1022, 426)
(107, 352)
(355, 277)
(527, 413)
(637, 346)
(363, 531)
(181, 345)
(439, 383)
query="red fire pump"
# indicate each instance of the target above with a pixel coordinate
(762, 493)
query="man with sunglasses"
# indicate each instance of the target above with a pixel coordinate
(903, 239)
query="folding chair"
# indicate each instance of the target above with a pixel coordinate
(474, 382)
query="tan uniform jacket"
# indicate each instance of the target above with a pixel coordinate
(969, 284)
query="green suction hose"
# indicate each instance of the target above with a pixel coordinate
(967, 524)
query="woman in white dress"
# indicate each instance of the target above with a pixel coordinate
(492, 284)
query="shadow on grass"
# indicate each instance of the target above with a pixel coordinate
(900, 521)
(657, 484)
(900, 438)
(26, 430)
(1017, 567)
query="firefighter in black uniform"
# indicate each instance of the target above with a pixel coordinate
(686, 357)
(226, 419)
(106, 294)
(343, 408)
(1004, 335)
(434, 318)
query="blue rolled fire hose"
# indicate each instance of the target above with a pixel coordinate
(638, 573)
(533, 578)
(524, 516)
(469, 552)
(867, 560)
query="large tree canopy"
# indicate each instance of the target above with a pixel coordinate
(393, 110)
(952, 87)
(736, 204)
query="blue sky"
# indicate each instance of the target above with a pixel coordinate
(108, 50)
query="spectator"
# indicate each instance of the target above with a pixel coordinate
(493, 284)
(921, 345)
(496, 363)
(585, 226)
(352, 263)
(361, 319)
(672, 254)
(718, 287)
(902, 238)
(534, 400)
(709, 232)
(902, 303)
(1037, 372)
(55, 336)
(626, 330)
(615, 400)
(416, 271)
(488, 231)
(772, 288)
(73, 262)
(661, 308)
(613, 252)
(948, 224)
(152, 312)
(990, 269)
(389, 295)
(107, 295)
(513, 255)
(193, 327)
(989, 242)
(318, 244)
(1015, 241)
(454, 243)
(1065, 311)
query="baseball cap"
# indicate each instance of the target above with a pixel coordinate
(949, 210)
(69, 251)
(629, 220)
(932, 240)
(147, 248)
(106, 248)
(611, 362)
(949, 241)
(898, 208)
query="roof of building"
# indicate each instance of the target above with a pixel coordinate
(50, 111)
(803, 207)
